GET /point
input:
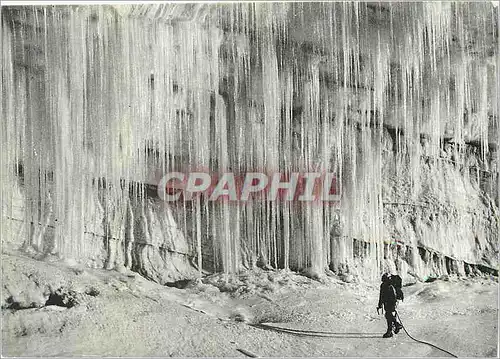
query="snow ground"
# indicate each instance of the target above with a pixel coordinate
(106, 313)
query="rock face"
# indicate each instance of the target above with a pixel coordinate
(399, 100)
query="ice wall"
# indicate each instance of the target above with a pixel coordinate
(396, 98)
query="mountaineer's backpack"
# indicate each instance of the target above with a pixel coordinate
(397, 283)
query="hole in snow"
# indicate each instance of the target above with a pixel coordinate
(181, 284)
(62, 299)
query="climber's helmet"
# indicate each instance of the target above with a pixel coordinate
(386, 277)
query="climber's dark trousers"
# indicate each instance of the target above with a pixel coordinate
(390, 316)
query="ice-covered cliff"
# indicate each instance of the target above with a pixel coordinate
(398, 99)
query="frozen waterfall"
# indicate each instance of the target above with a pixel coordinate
(398, 99)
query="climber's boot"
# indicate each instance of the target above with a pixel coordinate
(397, 328)
(387, 334)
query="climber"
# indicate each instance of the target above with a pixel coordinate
(388, 297)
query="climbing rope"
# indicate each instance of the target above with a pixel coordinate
(345, 335)
(313, 333)
(423, 342)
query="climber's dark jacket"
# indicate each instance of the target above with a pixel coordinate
(387, 296)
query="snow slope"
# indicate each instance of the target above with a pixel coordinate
(106, 313)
